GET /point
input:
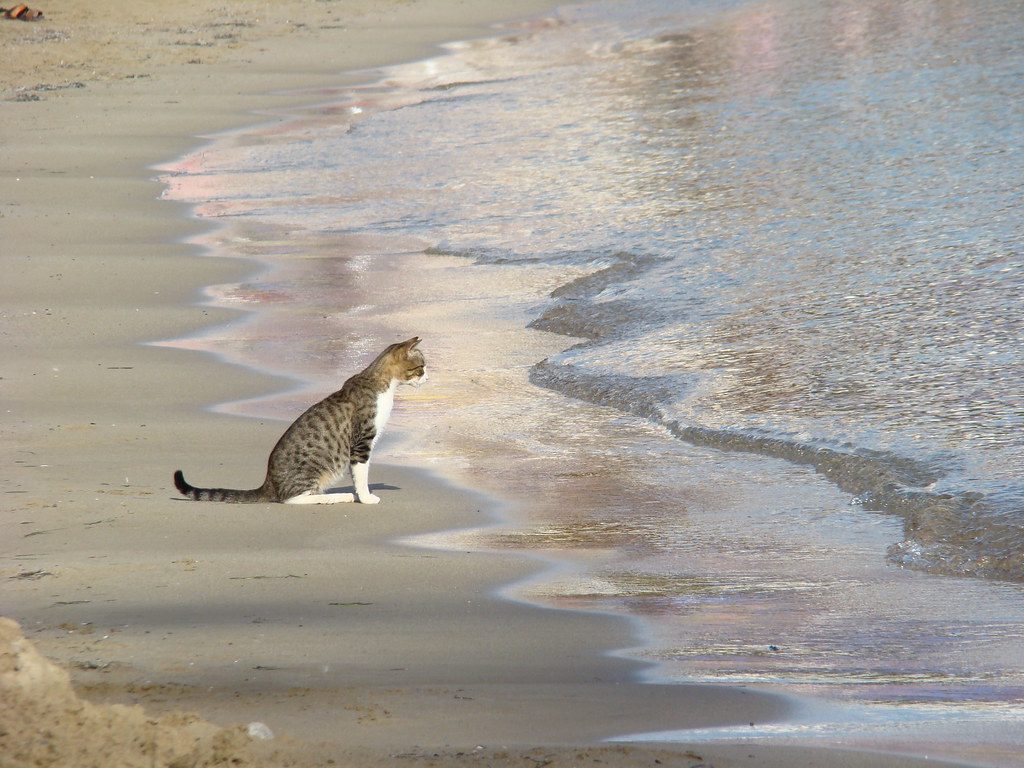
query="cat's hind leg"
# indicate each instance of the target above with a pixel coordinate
(309, 497)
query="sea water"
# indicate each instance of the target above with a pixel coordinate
(725, 298)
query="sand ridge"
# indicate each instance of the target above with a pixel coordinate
(43, 722)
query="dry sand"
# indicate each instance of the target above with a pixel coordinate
(353, 649)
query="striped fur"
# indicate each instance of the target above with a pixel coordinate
(334, 436)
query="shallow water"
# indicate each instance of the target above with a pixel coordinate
(783, 240)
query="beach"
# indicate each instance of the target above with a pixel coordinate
(352, 647)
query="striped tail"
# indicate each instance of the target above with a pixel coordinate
(221, 494)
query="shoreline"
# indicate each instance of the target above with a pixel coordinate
(90, 402)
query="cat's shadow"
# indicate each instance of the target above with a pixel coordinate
(373, 487)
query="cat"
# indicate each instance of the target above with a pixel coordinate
(338, 432)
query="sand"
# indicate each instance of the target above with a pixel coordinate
(179, 624)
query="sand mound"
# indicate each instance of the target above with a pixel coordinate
(44, 723)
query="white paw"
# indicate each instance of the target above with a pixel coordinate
(369, 499)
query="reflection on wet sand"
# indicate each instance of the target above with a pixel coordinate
(741, 219)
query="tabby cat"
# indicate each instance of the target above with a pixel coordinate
(338, 432)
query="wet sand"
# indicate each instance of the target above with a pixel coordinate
(350, 647)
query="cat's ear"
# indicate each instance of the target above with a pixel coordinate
(412, 343)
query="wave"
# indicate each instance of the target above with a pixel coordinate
(962, 533)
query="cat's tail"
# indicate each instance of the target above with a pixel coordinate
(256, 495)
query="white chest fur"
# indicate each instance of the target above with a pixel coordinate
(385, 402)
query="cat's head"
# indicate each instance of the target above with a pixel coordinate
(404, 362)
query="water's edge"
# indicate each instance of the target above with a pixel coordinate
(879, 480)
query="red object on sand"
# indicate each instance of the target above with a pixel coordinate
(22, 13)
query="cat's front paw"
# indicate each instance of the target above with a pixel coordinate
(369, 498)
